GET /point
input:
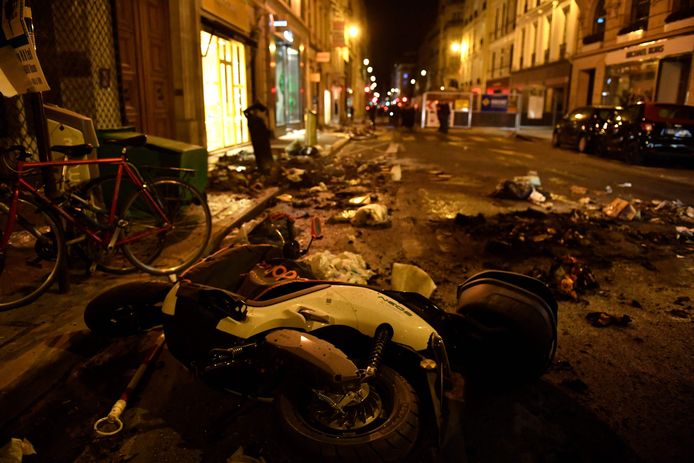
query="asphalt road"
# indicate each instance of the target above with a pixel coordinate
(613, 394)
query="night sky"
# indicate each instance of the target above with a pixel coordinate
(396, 27)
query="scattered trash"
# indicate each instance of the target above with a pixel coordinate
(309, 151)
(684, 232)
(532, 179)
(624, 185)
(681, 300)
(285, 198)
(579, 190)
(636, 304)
(294, 148)
(585, 201)
(679, 313)
(345, 216)
(571, 276)
(608, 189)
(371, 215)
(603, 319)
(346, 266)
(360, 200)
(294, 175)
(522, 187)
(537, 197)
(512, 190)
(318, 188)
(396, 173)
(621, 209)
(405, 277)
(15, 450)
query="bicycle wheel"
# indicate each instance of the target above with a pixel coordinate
(34, 252)
(99, 193)
(169, 250)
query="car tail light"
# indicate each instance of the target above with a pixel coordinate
(647, 127)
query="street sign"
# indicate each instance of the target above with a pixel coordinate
(20, 71)
(495, 103)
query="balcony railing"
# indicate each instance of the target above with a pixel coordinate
(593, 38)
(635, 26)
(562, 51)
(680, 14)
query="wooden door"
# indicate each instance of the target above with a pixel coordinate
(145, 62)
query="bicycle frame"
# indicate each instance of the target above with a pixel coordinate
(108, 238)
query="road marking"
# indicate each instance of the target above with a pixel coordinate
(513, 153)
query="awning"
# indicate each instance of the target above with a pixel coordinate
(547, 75)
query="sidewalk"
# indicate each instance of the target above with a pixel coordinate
(230, 209)
(329, 142)
(527, 132)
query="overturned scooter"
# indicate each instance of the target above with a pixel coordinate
(355, 372)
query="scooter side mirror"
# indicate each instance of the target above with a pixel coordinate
(316, 233)
(316, 229)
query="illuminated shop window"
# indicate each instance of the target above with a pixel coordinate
(225, 91)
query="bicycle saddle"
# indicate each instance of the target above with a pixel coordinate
(73, 151)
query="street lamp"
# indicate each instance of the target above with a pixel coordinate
(353, 31)
(423, 72)
(366, 61)
(370, 69)
(373, 78)
(412, 81)
(455, 47)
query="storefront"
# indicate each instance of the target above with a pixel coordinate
(498, 86)
(225, 90)
(287, 63)
(658, 70)
(543, 90)
(225, 47)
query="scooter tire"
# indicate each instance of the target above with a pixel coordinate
(391, 439)
(127, 309)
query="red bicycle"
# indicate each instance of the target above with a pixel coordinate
(161, 227)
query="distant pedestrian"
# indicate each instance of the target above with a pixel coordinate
(407, 116)
(371, 110)
(443, 112)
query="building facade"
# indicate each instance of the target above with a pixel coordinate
(632, 51)
(187, 69)
(545, 38)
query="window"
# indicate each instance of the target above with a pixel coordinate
(639, 12)
(681, 9)
(599, 18)
(225, 91)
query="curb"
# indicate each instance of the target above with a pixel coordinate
(244, 215)
(337, 146)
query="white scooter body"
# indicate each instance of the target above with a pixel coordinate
(358, 307)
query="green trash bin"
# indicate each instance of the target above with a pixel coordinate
(160, 157)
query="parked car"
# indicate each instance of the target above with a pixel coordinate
(581, 126)
(649, 130)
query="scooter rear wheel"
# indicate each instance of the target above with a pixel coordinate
(388, 437)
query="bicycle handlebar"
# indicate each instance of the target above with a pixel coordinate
(21, 151)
